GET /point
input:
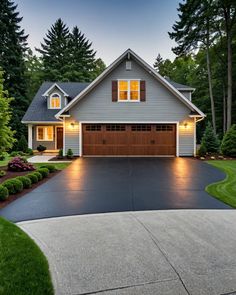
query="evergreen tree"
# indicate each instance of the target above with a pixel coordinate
(81, 58)
(158, 62)
(228, 146)
(6, 133)
(22, 145)
(210, 140)
(55, 52)
(12, 48)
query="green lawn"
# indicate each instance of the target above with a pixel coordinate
(224, 190)
(59, 166)
(23, 267)
(5, 162)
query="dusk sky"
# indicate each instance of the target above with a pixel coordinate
(112, 25)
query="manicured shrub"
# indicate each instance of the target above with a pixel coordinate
(22, 144)
(60, 154)
(20, 164)
(50, 167)
(32, 177)
(210, 140)
(3, 193)
(44, 172)
(2, 173)
(202, 150)
(14, 154)
(228, 146)
(25, 180)
(29, 152)
(69, 154)
(41, 148)
(2, 157)
(13, 185)
(39, 175)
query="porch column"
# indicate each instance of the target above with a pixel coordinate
(30, 136)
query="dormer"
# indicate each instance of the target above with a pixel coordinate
(56, 97)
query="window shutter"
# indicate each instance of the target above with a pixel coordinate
(142, 90)
(114, 91)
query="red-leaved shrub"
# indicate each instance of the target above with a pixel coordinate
(20, 164)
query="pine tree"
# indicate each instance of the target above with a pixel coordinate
(22, 145)
(228, 146)
(6, 133)
(13, 45)
(210, 140)
(55, 52)
(82, 61)
(158, 62)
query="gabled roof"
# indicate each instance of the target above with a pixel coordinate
(38, 110)
(147, 67)
(180, 87)
(55, 85)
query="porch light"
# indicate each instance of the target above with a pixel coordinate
(72, 124)
(185, 125)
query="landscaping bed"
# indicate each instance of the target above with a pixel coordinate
(24, 268)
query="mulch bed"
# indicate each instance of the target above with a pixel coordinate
(63, 159)
(12, 198)
(215, 157)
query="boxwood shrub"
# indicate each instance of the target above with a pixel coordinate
(50, 167)
(39, 175)
(25, 180)
(44, 172)
(3, 193)
(13, 185)
(32, 177)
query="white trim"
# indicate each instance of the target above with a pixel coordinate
(51, 97)
(152, 71)
(56, 148)
(30, 136)
(128, 122)
(194, 139)
(46, 93)
(64, 137)
(186, 89)
(37, 139)
(128, 91)
(41, 122)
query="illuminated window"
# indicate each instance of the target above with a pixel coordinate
(45, 133)
(128, 90)
(55, 101)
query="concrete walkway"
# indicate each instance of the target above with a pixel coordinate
(153, 252)
(45, 159)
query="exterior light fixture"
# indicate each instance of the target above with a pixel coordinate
(72, 124)
(185, 124)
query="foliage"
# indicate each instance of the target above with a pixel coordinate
(2, 173)
(12, 49)
(60, 154)
(13, 185)
(6, 134)
(202, 150)
(25, 180)
(41, 148)
(23, 261)
(44, 172)
(228, 146)
(50, 167)
(33, 178)
(3, 193)
(69, 154)
(59, 165)
(14, 154)
(20, 164)
(39, 175)
(210, 140)
(22, 144)
(29, 151)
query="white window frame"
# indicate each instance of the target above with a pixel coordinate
(45, 138)
(51, 96)
(128, 98)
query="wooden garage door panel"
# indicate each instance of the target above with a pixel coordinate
(129, 139)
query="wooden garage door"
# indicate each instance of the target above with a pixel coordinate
(129, 139)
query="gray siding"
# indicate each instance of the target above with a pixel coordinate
(187, 94)
(160, 106)
(71, 136)
(50, 145)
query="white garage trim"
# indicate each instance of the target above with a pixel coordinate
(127, 122)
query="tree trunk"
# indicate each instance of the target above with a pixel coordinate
(224, 110)
(210, 87)
(229, 84)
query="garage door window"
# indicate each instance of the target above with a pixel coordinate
(93, 127)
(141, 127)
(164, 127)
(115, 127)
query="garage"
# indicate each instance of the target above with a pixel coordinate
(129, 139)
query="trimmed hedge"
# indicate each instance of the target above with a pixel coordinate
(25, 180)
(4, 194)
(13, 185)
(50, 167)
(44, 172)
(39, 175)
(32, 177)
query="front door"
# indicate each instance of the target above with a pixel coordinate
(59, 137)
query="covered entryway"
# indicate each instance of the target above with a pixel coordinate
(129, 139)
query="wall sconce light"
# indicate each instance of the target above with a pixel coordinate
(72, 124)
(185, 125)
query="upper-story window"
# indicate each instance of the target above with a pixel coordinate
(55, 101)
(129, 90)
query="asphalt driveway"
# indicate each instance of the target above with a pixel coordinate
(100, 185)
